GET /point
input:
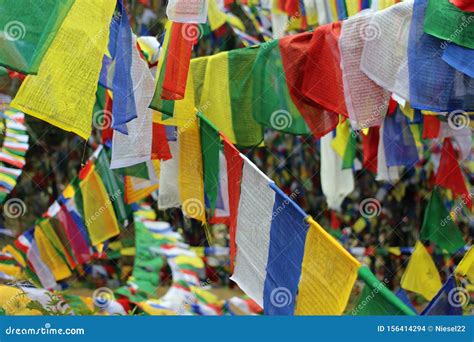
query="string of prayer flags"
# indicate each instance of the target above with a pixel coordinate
(465, 5)
(434, 84)
(438, 225)
(63, 94)
(376, 299)
(366, 102)
(447, 301)
(384, 57)
(328, 274)
(29, 27)
(445, 21)
(124, 107)
(101, 224)
(421, 275)
(187, 11)
(449, 174)
(465, 267)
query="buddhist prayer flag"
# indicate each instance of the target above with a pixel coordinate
(421, 275)
(438, 225)
(99, 215)
(328, 274)
(29, 27)
(465, 5)
(376, 299)
(210, 145)
(449, 173)
(466, 265)
(63, 93)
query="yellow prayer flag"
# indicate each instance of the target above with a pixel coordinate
(15, 254)
(421, 275)
(195, 262)
(339, 143)
(11, 270)
(51, 257)
(63, 92)
(466, 266)
(215, 16)
(328, 274)
(99, 214)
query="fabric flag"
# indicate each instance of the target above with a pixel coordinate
(335, 182)
(384, 172)
(399, 145)
(226, 98)
(190, 169)
(431, 127)
(421, 275)
(178, 57)
(367, 102)
(222, 212)
(124, 107)
(234, 177)
(285, 255)
(41, 270)
(210, 145)
(135, 146)
(294, 53)
(168, 194)
(51, 257)
(377, 300)
(185, 11)
(253, 231)
(384, 57)
(273, 105)
(447, 302)
(323, 76)
(63, 93)
(29, 27)
(449, 173)
(461, 137)
(328, 274)
(445, 21)
(345, 144)
(403, 296)
(460, 58)
(465, 5)
(76, 241)
(466, 265)
(439, 227)
(99, 215)
(434, 84)
(56, 237)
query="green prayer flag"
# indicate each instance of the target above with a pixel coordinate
(439, 227)
(27, 29)
(210, 146)
(446, 21)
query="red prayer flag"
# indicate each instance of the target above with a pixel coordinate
(449, 173)
(178, 58)
(431, 126)
(370, 145)
(160, 149)
(465, 5)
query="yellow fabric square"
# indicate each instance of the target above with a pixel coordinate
(99, 214)
(466, 266)
(328, 274)
(63, 92)
(421, 275)
(50, 257)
